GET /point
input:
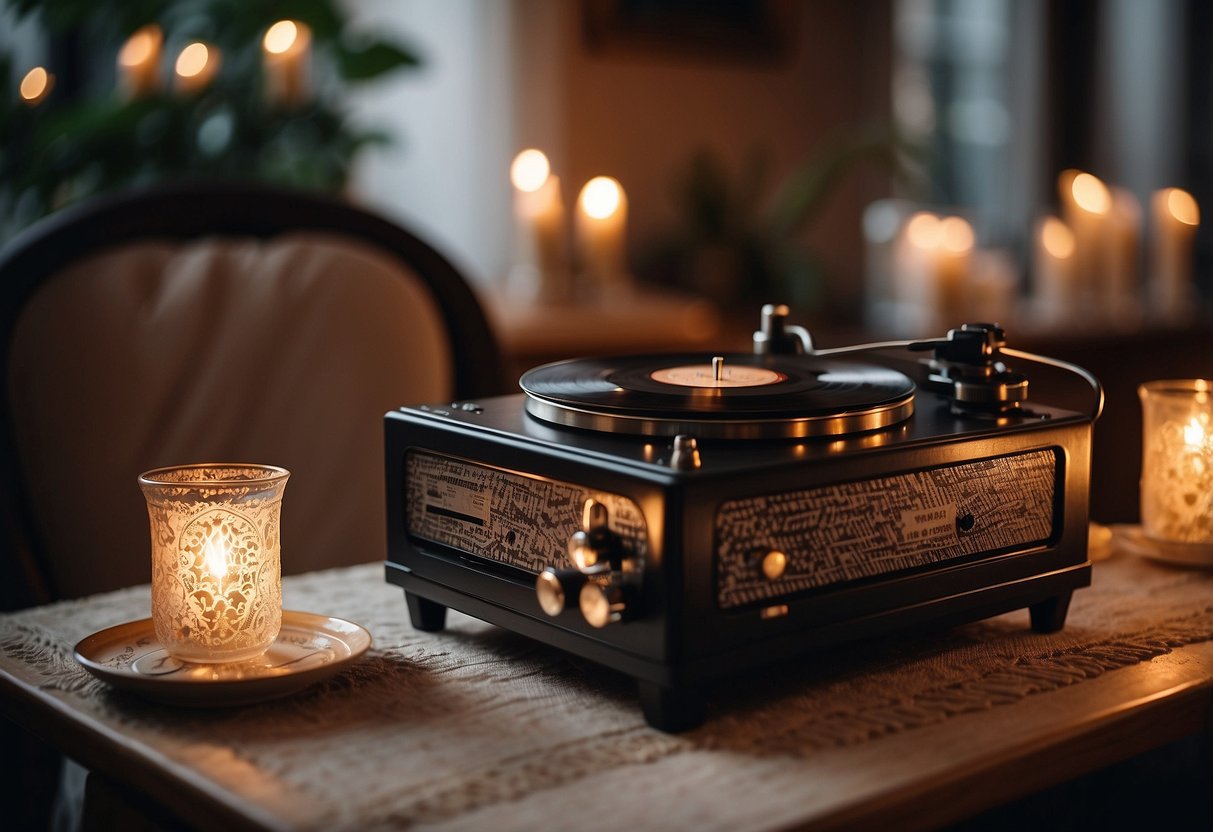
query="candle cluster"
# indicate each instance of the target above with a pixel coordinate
(1177, 460)
(286, 55)
(930, 273)
(543, 269)
(926, 272)
(1088, 258)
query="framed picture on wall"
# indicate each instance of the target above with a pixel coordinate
(757, 31)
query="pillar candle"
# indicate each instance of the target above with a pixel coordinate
(1054, 290)
(954, 264)
(1085, 203)
(540, 267)
(1123, 233)
(602, 210)
(286, 56)
(139, 62)
(1175, 218)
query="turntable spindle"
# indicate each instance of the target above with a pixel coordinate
(718, 367)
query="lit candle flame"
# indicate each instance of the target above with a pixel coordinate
(530, 170)
(192, 60)
(36, 84)
(924, 230)
(956, 234)
(1182, 206)
(1091, 194)
(600, 197)
(1194, 434)
(1057, 238)
(140, 46)
(281, 37)
(214, 552)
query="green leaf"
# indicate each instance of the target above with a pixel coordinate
(363, 61)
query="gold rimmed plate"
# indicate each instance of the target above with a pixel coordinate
(309, 649)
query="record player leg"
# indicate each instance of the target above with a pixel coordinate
(671, 709)
(426, 615)
(1050, 616)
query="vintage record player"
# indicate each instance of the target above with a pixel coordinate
(685, 517)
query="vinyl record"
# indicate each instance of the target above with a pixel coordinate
(735, 395)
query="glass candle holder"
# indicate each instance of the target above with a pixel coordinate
(216, 559)
(1177, 460)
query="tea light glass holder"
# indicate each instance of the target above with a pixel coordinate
(1177, 461)
(216, 559)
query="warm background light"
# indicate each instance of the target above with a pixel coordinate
(1056, 238)
(1183, 207)
(281, 36)
(600, 197)
(956, 234)
(1091, 194)
(924, 230)
(529, 170)
(36, 85)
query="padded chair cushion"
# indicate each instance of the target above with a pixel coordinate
(285, 352)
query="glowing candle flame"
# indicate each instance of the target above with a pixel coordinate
(36, 84)
(600, 197)
(214, 552)
(956, 234)
(281, 36)
(141, 46)
(192, 60)
(924, 230)
(1091, 194)
(530, 170)
(1194, 434)
(1057, 238)
(1182, 206)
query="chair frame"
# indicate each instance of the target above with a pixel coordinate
(182, 211)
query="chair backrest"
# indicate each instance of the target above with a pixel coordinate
(214, 323)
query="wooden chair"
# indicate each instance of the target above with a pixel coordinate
(213, 322)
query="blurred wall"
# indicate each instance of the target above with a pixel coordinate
(498, 77)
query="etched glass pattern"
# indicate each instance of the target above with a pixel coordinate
(1177, 460)
(216, 559)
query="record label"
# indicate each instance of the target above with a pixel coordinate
(704, 375)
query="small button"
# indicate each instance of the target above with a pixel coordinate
(774, 563)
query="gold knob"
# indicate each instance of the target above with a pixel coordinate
(773, 563)
(550, 592)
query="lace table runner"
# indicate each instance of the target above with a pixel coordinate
(477, 726)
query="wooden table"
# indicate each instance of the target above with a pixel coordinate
(479, 728)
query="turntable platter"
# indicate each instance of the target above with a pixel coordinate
(736, 396)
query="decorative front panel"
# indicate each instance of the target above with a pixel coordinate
(845, 532)
(510, 518)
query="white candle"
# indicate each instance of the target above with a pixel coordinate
(602, 210)
(139, 62)
(1120, 285)
(993, 287)
(914, 280)
(196, 67)
(286, 54)
(540, 267)
(954, 270)
(1054, 291)
(1085, 203)
(1175, 217)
